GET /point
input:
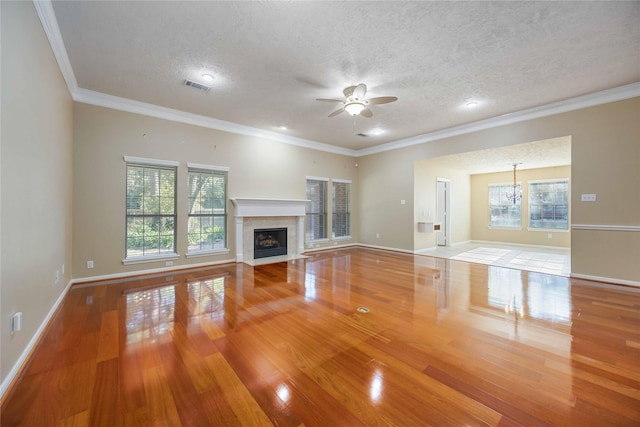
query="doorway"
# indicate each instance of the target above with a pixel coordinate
(443, 190)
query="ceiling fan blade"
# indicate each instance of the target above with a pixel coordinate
(360, 91)
(366, 112)
(335, 113)
(329, 100)
(383, 100)
(348, 91)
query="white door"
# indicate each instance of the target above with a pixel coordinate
(442, 209)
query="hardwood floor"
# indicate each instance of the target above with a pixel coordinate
(444, 343)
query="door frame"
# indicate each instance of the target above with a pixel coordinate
(446, 224)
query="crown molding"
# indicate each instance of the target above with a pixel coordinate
(47, 16)
(124, 104)
(590, 100)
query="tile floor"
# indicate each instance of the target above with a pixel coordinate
(530, 258)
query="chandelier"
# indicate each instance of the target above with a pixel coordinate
(515, 195)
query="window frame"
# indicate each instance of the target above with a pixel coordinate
(346, 212)
(213, 171)
(159, 165)
(506, 204)
(322, 216)
(532, 184)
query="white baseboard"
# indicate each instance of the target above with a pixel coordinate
(384, 248)
(6, 383)
(605, 280)
(527, 245)
(150, 271)
(329, 248)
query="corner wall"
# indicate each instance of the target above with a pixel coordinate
(36, 175)
(605, 157)
(259, 168)
(426, 174)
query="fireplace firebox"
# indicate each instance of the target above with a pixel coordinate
(269, 242)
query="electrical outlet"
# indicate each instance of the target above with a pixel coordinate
(168, 263)
(587, 197)
(56, 277)
(90, 264)
(62, 269)
(16, 322)
(377, 235)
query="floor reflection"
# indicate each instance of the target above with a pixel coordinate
(149, 313)
(530, 295)
(449, 342)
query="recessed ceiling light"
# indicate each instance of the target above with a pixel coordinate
(376, 131)
(207, 77)
(283, 127)
(471, 104)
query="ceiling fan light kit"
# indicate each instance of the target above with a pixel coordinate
(355, 103)
(354, 108)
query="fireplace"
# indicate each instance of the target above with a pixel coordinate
(260, 214)
(269, 242)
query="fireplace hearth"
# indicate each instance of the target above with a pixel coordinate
(269, 242)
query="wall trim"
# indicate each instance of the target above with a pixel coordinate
(526, 245)
(590, 100)
(600, 227)
(329, 248)
(49, 22)
(385, 248)
(19, 365)
(150, 271)
(605, 280)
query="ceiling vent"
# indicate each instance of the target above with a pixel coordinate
(364, 135)
(197, 85)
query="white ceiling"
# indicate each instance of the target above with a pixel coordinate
(530, 155)
(272, 59)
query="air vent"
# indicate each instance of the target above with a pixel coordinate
(364, 135)
(197, 85)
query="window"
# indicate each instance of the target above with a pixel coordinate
(207, 227)
(549, 204)
(502, 211)
(151, 208)
(341, 215)
(316, 224)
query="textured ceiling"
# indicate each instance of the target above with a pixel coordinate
(272, 59)
(531, 155)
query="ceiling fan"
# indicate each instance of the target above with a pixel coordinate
(355, 102)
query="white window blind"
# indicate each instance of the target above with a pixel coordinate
(150, 210)
(207, 223)
(316, 215)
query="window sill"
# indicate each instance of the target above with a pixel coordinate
(317, 241)
(152, 258)
(504, 227)
(549, 230)
(341, 238)
(207, 253)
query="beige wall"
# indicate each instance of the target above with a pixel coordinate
(480, 209)
(426, 174)
(259, 168)
(36, 173)
(57, 161)
(605, 158)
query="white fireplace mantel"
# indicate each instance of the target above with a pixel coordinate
(268, 208)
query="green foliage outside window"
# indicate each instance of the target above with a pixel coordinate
(150, 210)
